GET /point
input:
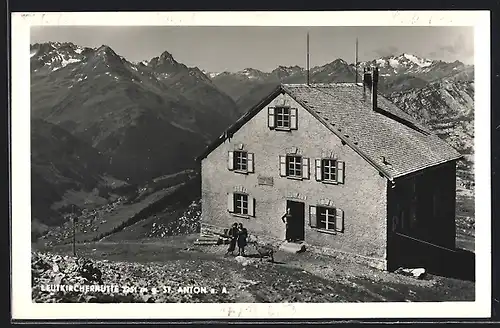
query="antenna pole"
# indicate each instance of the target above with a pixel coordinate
(74, 228)
(356, 61)
(307, 61)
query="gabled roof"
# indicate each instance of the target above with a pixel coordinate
(388, 138)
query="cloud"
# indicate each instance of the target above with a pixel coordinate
(386, 51)
(459, 48)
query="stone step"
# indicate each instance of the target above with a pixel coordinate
(206, 242)
(214, 241)
(292, 247)
(208, 237)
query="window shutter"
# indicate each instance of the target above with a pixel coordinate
(283, 166)
(305, 168)
(251, 206)
(313, 219)
(340, 171)
(270, 117)
(250, 167)
(230, 202)
(230, 160)
(318, 170)
(293, 118)
(339, 220)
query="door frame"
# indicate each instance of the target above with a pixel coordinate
(296, 230)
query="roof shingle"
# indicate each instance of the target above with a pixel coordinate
(388, 138)
(388, 133)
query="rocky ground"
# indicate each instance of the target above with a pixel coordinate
(143, 271)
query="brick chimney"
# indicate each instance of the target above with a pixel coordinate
(374, 87)
(370, 85)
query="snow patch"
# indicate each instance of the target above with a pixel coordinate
(65, 62)
(380, 62)
(32, 53)
(393, 62)
(78, 50)
(418, 61)
(213, 74)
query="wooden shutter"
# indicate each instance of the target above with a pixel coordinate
(340, 171)
(293, 118)
(230, 202)
(339, 220)
(270, 117)
(250, 167)
(230, 160)
(283, 166)
(313, 219)
(251, 206)
(305, 168)
(319, 176)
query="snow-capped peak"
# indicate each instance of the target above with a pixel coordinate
(419, 61)
(211, 74)
(250, 73)
(55, 55)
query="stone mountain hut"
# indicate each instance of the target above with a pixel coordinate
(358, 174)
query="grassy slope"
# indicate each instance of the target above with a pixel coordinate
(167, 194)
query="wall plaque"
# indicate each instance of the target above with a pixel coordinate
(297, 195)
(282, 101)
(265, 181)
(240, 189)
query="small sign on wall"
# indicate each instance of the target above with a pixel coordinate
(296, 195)
(240, 189)
(281, 101)
(265, 181)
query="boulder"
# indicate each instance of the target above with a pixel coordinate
(244, 260)
(293, 247)
(417, 273)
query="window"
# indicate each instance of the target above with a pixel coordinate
(326, 218)
(240, 161)
(240, 204)
(294, 166)
(329, 170)
(282, 118)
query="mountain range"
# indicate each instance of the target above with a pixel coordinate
(101, 122)
(397, 73)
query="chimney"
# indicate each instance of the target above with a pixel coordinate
(367, 81)
(370, 84)
(374, 87)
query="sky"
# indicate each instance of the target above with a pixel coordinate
(217, 49)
